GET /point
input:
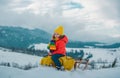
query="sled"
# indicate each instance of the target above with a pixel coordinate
(66, 61)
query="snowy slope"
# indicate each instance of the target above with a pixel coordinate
(19, 58)
(47, 72)
(40, 46)
(98, 53)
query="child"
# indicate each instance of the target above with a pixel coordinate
(57, 46)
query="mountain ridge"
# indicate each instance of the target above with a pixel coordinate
(18, 37)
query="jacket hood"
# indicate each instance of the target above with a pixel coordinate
(65, 39)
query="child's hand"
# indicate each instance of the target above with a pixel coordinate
(49, 53)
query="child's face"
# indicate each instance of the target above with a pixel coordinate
(56, 35)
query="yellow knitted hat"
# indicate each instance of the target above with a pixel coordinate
(59, 30)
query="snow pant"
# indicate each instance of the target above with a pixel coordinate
(55, 58)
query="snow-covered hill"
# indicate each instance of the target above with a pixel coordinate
(18, 60)
(98, 53)
(40, 46)
(47, 72)
(18, 37)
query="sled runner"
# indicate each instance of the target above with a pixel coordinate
(82, 61)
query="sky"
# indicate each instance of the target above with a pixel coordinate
(83, 20)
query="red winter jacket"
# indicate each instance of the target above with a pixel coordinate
(61, 46)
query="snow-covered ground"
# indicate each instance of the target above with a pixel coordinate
(19, 58)
(47, 72)
(41, 46)
(99, 53)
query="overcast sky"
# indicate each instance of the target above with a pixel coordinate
(83, 20)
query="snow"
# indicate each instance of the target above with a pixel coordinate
(49, 72)
(19, 58)
(40, 46)
(46, 72)
(98, 53)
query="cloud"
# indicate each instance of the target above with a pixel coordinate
(71, 5)
(84, 20)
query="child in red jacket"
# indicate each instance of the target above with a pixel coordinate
(57, 46)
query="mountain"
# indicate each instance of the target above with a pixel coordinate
(80, 44)
(17, 37)
(115, 45)
(22, 38)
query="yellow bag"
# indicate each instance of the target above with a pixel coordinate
(66, 61)
(47, 61)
